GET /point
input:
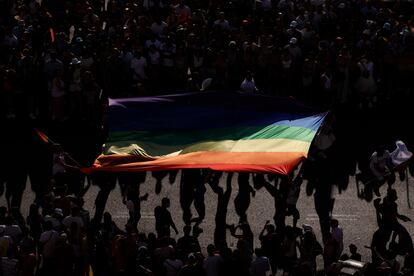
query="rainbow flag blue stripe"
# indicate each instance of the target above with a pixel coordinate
(228, 131)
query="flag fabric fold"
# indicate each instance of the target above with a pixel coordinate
(227, 131)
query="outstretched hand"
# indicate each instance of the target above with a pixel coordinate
(404, 218)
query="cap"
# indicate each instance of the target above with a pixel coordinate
(293, 24)
(293, 40)
(387, 26)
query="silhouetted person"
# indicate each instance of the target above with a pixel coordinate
(106, 182)
(131, 195)
(382, 168)
(354, 254)
(192, 267)
(292, 199)
(187, 243)
(387, 211)
(245, 234)
(242, 258)
(242, 200)
(163, 219)
(192, 189)
(271, 244)
(212, 264)
(223, 198)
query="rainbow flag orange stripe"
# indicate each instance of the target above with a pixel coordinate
(42, 136)
(227, 131)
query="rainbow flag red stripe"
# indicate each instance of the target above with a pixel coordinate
(227, 131)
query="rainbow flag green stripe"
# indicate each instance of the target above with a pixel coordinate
(228, 131)
(238, 133)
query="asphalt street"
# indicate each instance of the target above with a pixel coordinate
(356, 217)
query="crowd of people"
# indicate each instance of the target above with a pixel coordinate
(61, 60)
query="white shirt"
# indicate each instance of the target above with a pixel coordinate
(172, 267)
(55, 222)
(266, 5)
(212, 264)
(248, 86)
(138, 65)
(260, 267)
(378, 164)
(154, 57)
(49, 239)
(158, 29)
(69, 220)
(156, 43)
(13, 231)
(401, 154)
(224, 24)
(338, 235)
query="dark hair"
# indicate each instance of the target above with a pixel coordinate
(210, 249)
(165, 200)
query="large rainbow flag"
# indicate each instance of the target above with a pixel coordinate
(227, 131)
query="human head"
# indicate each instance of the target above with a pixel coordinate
(107, 218)
(165, 202)
(210, 249)
(334, 223)
(57, 212)
(293, 41)
(392, 194)
(191, 259)
(353, 248)
(270, 228)
(258, 251)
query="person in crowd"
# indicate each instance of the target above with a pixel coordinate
(163, 219)
(213, 262)
(338, 236)
(48, 240)
(382, 169)
(223, 198)
(172, 264)
(400, 156)
(353, 249)
(192, 189)
(260, 266)
(187, 243)
(242, 200)
(248, 84)
(62, 61)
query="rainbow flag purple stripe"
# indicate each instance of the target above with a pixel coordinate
(227, 131)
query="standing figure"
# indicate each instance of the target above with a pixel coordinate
(382, 168)
(131, 196)
(163, 219)
(223, 198)
(242, 200)
(192, 189)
